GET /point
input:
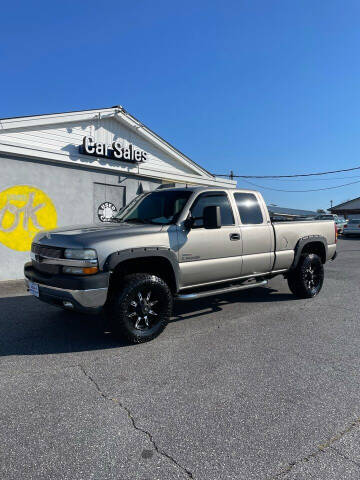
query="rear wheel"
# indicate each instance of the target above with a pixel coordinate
(307, 279)
(140, 309)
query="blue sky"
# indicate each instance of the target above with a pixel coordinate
(258, 87)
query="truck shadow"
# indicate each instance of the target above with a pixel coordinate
(29, 327)
(208, 305)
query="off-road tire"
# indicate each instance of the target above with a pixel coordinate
(123, 315)
(301, 281)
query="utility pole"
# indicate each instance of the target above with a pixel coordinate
(331, 203)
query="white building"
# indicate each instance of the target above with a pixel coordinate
(77, 168)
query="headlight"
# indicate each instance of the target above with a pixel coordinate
(80, 254)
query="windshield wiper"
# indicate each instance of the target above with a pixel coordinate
(130, 220)
(137, 220)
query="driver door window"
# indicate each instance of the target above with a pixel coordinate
(210, 199)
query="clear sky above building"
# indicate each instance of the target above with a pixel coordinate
(258, 87)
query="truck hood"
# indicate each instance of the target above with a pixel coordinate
(79, 236)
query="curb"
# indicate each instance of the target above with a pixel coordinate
(12, 288)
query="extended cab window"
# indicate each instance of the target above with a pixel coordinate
(249, 208)
(218, 199)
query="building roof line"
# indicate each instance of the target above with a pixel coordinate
(117, 112)
(142, 125)
(344, 203)
(289, 211)
(58, 113)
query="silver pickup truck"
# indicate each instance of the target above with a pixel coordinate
(179, 243)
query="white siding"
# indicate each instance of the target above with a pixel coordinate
(67, 137)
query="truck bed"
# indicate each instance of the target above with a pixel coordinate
(287, 235)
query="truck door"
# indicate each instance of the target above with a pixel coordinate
(208, 255)
(256, 233)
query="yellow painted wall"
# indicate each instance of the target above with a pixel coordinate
(24, 211)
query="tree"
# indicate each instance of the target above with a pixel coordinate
(320, 210)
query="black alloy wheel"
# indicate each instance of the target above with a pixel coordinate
(307, 279)
(141, 308)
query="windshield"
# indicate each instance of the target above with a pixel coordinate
(159, 207)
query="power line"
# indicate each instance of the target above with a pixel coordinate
(311, 179)
(288, 176)
(299, 191)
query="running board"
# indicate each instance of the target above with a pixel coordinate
(218, 291)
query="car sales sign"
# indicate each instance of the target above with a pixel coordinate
(116, 151)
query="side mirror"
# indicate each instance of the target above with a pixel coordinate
(189, 222)
(212, 216)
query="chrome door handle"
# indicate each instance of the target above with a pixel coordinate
(234, 236)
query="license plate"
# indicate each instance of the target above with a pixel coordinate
(34, 289)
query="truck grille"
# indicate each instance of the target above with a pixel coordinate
(46, 251)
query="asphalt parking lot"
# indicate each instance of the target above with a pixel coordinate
(252, 385)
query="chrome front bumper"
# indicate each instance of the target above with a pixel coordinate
(91, 299)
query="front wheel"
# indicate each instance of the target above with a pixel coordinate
(140, 308)
(307, 279)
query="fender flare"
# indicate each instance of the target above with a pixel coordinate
(116, 258)
(305, 241)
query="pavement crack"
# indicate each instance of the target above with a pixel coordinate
(320, 449)
(116, 401)
(341, 454)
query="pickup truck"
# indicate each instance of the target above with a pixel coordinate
(175, 244)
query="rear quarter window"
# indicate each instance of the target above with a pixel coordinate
(249, 208)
